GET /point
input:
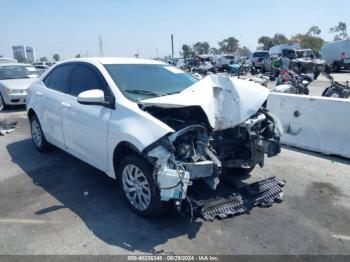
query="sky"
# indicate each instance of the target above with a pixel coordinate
(70, 27)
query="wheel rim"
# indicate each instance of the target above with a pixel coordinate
(136, 187)
(36, 133)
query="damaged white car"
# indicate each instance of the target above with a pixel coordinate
(152, 126)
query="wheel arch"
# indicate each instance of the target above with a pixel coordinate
(31, 113)
(122, 149)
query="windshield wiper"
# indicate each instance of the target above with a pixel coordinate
(141, 92)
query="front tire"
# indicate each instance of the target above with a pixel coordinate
(38, 136)
(135, 177)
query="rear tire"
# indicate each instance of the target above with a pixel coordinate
(135, 178)
(38, 136)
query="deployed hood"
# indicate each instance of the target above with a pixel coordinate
(226, 101)
(22, 83)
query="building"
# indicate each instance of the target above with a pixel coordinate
(24, 54)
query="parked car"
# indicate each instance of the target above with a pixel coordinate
(48, 64)
(336, 55)
(222, 62)
(302, 61)
(204, 68)
(41, 68)
(4, 60)
(260, 61)
(276, 51)
(152, 126)
(15, 78)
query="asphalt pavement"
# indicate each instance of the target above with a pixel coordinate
(53, 203)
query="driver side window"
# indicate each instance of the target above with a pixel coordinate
(85, 78)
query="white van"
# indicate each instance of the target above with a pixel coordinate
(276, 50)
(337, 55)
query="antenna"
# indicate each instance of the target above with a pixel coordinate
(101, 45)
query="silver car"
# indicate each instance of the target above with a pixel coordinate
(15, 79)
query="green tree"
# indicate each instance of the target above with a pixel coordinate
(186, 51)
(78, 56)
(266, 42)
(279, 39)
(314, 31)
(228, 45)
(309, 40)
(214, 51)
(56, 57)
(201, 48)
(340, 30)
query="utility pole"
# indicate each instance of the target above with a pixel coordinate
(172, 46)
(101, 45)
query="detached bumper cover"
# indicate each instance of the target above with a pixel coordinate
(260, 194)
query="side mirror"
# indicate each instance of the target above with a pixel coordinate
(91, 97)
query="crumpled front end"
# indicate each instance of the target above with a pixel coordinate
(197, 152)
(227, 128)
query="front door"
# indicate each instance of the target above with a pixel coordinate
(85, 127)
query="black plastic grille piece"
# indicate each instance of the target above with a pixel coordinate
(263, 194)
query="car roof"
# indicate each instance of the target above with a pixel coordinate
(116, 60)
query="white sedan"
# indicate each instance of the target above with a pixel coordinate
(15, 79)
(152, 126)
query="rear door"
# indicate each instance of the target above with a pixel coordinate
(85, 126)
(50, 98)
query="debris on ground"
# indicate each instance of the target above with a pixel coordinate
(259, 194)
(7, 128)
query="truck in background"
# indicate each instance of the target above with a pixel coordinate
(277, 50)
(336, 55)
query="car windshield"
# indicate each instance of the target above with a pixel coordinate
(305, 54)
(142, 81)
(18, 71)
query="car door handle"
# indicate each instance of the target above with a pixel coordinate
(66, 105)
(39, 94)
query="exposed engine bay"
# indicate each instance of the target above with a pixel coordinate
(195, 151)
(203, 149)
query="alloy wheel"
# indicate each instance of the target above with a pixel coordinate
(136, 187)
(36, 133)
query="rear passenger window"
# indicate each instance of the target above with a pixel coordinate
(83, 79)
(59, 77)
